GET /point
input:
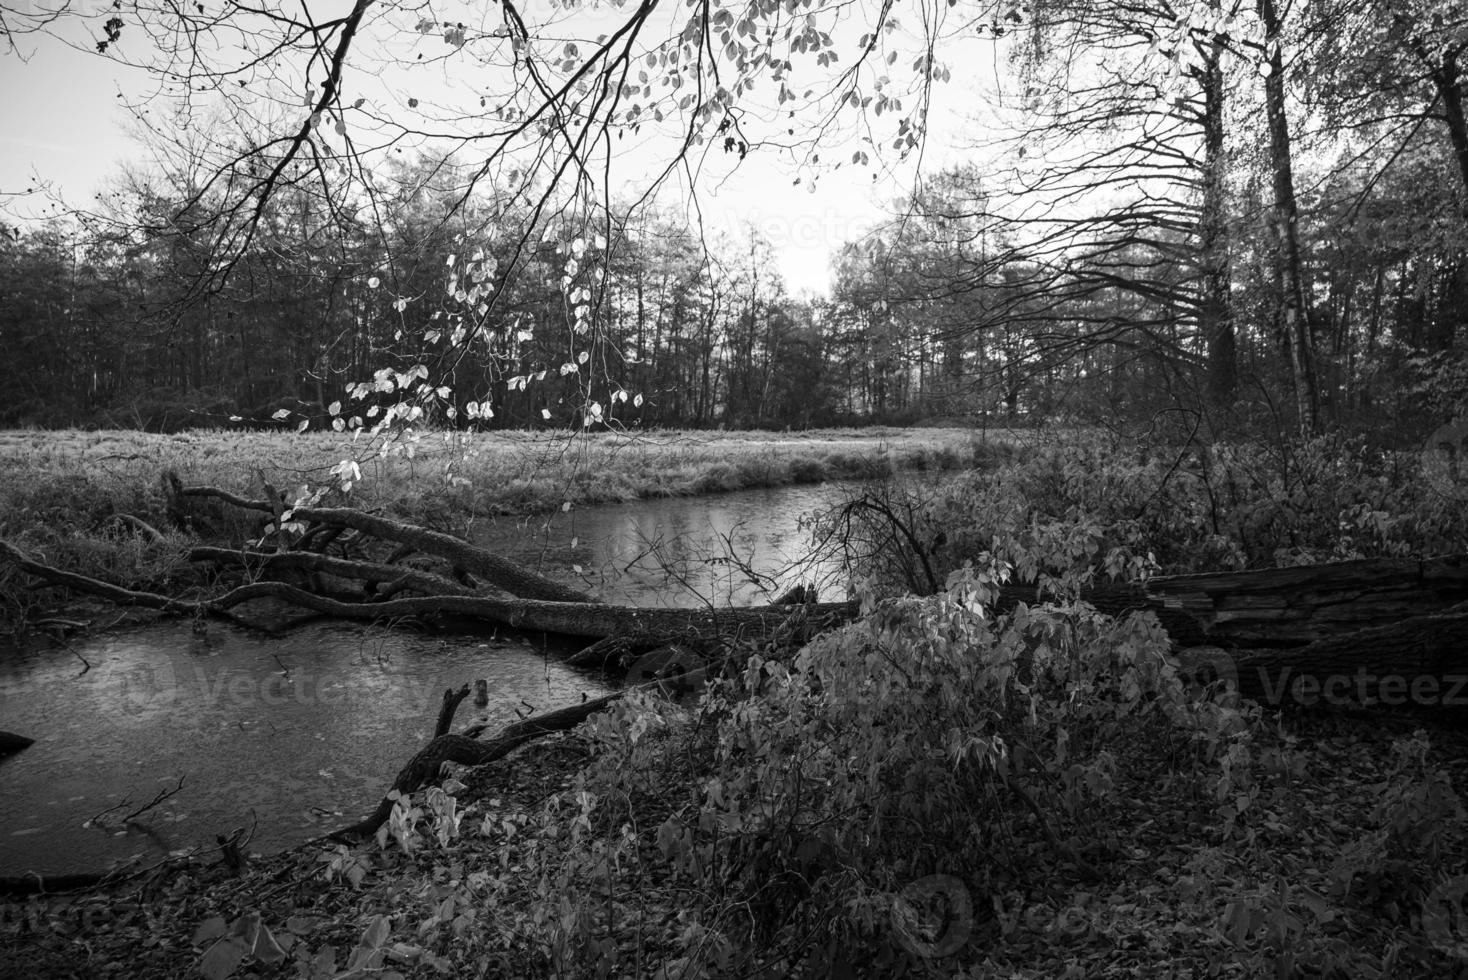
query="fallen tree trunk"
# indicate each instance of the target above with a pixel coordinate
(1118, 601)
(394, 577)
(461, 554)
(610, 650)
(586, 619)
(1420, 661)
(1278, 607)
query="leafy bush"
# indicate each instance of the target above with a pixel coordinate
(1076, 513)
(928, 737)
(807, 469)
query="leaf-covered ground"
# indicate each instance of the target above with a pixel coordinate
(1295, 890)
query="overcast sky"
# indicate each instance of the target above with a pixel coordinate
(62, 123)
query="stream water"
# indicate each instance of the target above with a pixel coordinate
(301, 734)
(741, 548)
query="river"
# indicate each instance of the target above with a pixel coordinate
(300, 734)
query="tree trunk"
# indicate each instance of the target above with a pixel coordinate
(1294, 314)
(1446, 78)
(1215, 317)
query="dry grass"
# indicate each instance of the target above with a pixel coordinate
(77, 477)
(61, 492)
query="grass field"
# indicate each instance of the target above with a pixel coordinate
(76, 478)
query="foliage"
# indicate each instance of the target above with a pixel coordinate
(795, 818)
(932, 789)
(1081, 510)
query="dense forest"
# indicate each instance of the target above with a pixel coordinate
(1261, 222)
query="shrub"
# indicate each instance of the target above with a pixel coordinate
(926, 737)
(807, 469)
(1076, 513)
(716, 477)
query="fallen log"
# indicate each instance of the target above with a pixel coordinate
(1118, 601)
(1277, 608)
(375, 573)
(1280, 607)
(35, 884)
(585, 619)
(456, 551)
(1420, 661)
(610, 650)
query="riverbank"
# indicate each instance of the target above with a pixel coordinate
(43, 473)
(1167, 888)
(94, 502)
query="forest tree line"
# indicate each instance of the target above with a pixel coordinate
(1266, 224)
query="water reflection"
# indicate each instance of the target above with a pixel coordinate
(740, 549)
(303, 730)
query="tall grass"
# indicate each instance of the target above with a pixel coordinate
(62, 492)
(77, 477)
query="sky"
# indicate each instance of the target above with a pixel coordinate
(63, 126)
